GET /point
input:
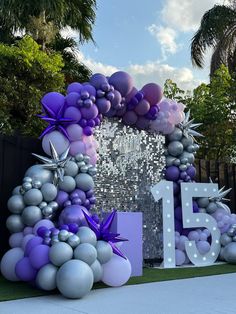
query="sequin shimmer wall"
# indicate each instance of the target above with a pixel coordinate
(130, 161)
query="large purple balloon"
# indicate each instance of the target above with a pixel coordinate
(74, 87)
(73, 214)
(74, 132)
(39, 256)
(54, 101)
(172, 173)
(89, 113)
(153, 93)
(72, 113)
(97, 80)
(71, 99)
(24, 270)
(32, 243)
(103, 105)
(77, 147)
(59, 141)
(122, 81)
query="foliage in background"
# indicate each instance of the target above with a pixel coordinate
(214, 105)
(26, 74)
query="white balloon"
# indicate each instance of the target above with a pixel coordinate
(117, 271)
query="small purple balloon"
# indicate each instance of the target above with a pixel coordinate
(81, 194)
(64, 227)
(142, 123)
(73, 227)
(88, 131)
(89, 88)
(44, 222)
(24, 270)
(142, 107)
(191, 171)
(172, 173)
(61, 198)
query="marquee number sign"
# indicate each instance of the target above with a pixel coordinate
(164, 190)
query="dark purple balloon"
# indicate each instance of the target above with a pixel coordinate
(32, 243)
(88, 131)
(71, 99)
(73, 227)
(81, 194)
(195, 207)
(103, 105)
(191, 171)
(122, 82)
(130, 118)
(74, 87)
(97, 80)
(73, 214)
(67, 203)
(142, 123)
(89, 193)
(178, 213)
(41, 231)
(176, 188)
(76, 201)
(24, 270)
(92, 200)
(53, 101)
(172, 173)
(39, 256)
(178, 226)
(61, 198)
(64, 227)
(83, 123)
(176, 201)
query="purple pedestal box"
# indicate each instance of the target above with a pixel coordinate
(130, 226)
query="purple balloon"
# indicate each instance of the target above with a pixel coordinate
(116, 100)
(44, 222)
(77, 147)
(142, 123)
(73, 227)
(89, 113)
(88, 88)
(39, 256)
(64, 227)
(203, 247)
(24, 270)
(178, 226)
(193, 236)
(130, 118)
(122, 82)
(71, 99)
(176, 188)
(74, 87)
(191, 171)
(142, 107)
(182, 241)
(131, 95)
(172, 173)
(179, 257)
(81, 194)
(195, 207)
(61, 198)
(25, 240)
(178, 213)
(53, 101)
(153, 93)
(35, 241)
(42, 231)
(97, 80)
(103, 105)
(73, 214)
(72, 113)
(88, 131)
(74, 132)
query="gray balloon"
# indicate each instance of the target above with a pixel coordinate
(183, 167)
(63, 235)
(47, 211)
(104, 251)
(73, 240)
(225, 239)
(36, 184)
(9, 261)
(189, 156)
(176, 135)
(16, 190)
(33, 197)
(175, 148)
(84, 181)
(71, 168)
(84, 169)
(86, 252)
(190, 149)
(86, 159)
(74, 279)
(230, 253)
(87, 235)
(203, 202)
(38, 173)
(97, 271)
(211, 208)
(79, 157)
(15, 223)
(170, 161)
(68, 184)
(16, 204)
(60, 253)
(31, 215)
(49, 192)
(92, 171)
(177, 162)
(46, 277)
(186, 141)
(202, 210)
(221, 255)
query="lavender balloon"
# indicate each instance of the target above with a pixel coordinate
(73, 214)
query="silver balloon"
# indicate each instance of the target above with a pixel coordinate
(190, 149)
(183, 167)
(104, 251)
(203, 202)
(16, 204)
(74, 279)
(16, 190)
(234, 238)
(63, 235)
(175, 148)
(211, 208)
(81, 164)
(60, 253)
(54, 240)
(15, 223)
(79, 157)
(177, 162)
(71, 169)
(84, 182)
(225, 239)
(49, 192)
(92, 171)
(221, 255)
(86, 159)
(68, 184)
(53, 205)
(230, 253)
(47, 211)
(27, 179)
(46, 277)
(86, 235)
(36, 184)
(176, 135)
(31, 215)
(42, 205)
(26, 186)
(187, 141)
(86, 253)
(84, 169)
(202, 210)
(38, 173)
(73, 240)
(184, 161)
(33, 197)
(189, 156)
(97, 271)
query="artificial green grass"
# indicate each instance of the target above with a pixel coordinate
(19, 290)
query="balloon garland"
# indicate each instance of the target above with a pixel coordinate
(56, 242)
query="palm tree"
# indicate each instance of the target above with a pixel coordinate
(78, 14)
(218, 31)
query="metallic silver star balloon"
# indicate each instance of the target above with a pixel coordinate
(187, 126)
(221, 197)
(56, 163)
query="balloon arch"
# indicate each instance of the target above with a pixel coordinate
(56, 242)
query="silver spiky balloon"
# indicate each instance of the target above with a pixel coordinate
(220, 198)
(188, 127)
(56, 163)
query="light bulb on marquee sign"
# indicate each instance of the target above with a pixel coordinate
(164, 190)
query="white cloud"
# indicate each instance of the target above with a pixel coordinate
(153, 71)
(166, 37)
(185, 15)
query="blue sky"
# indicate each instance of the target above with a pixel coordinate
(150, 39)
